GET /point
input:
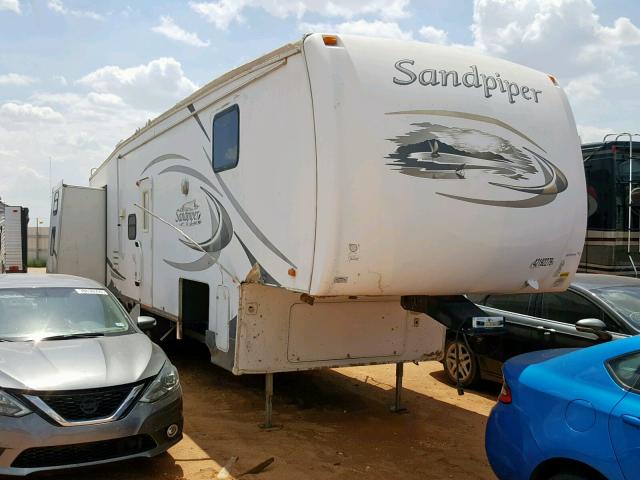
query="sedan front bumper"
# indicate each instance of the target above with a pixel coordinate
(31, 443)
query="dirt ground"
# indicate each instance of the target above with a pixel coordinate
(333, 424)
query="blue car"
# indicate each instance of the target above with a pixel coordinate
(569, 414)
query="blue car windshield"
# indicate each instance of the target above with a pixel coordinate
(624, 300)
(41, 313)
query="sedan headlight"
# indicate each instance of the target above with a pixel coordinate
(10, 407)
(165, 382)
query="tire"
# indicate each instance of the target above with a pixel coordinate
(469, 371)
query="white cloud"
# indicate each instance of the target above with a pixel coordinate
(18, 112)
(224, 12)
(596, 62)
(61, 79)
(564, 37)
(171, 30)
(590, 134)
(77, 131)
(584, 88)
(376, 28)
(105, 99)
(58, 7)
(434, 35)
(77, 128)
(221, 13)
(17, 80)
(154, 86)
(11, 5)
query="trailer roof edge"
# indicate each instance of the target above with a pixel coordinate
(285, 51)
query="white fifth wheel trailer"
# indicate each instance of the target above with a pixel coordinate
(321, 205)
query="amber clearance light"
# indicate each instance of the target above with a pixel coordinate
(330, 40)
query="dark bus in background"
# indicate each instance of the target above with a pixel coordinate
(612, 243)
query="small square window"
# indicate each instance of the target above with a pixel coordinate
(131, 226)
(226, 139)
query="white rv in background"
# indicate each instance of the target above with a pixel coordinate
(13, 238)
(284, 212)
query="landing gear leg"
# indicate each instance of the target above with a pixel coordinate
(397, 407)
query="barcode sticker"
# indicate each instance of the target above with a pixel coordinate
(91, 291)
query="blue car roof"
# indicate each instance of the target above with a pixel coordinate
(570, 361)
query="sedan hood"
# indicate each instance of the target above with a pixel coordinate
(81, 363)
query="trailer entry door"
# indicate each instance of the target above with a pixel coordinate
(145, 243)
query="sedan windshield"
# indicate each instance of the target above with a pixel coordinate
(624, 300)
(59, 313)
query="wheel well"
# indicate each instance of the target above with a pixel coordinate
(557, 465)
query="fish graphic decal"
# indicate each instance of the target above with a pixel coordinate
(437, 151)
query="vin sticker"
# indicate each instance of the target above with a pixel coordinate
(542, 262)
(90, 291)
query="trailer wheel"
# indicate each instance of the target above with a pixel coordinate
(469, 372)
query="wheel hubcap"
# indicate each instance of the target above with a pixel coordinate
(464, 361)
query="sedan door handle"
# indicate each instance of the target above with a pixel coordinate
(631, 420)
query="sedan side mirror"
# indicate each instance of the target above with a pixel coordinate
(146, 323)
(595, 326)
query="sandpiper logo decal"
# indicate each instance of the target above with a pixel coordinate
(473, 78)
(188, 214)
(221, 227)
(435, 149)
(195, 212)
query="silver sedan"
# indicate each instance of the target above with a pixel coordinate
(80, 383)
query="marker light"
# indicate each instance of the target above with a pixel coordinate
(505, 394)
(554, 80)
(330, 40)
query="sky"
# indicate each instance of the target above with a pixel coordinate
(78, 76)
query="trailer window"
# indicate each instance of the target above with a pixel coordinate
(226, 139)
(131, 226)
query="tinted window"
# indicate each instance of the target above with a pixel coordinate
(568, 307)
(519, 303)
(226, 139)
(624, 300)
(625, 369)
(131, 226)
